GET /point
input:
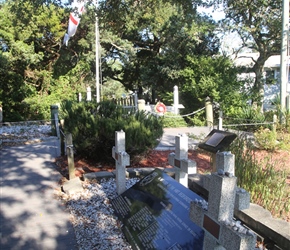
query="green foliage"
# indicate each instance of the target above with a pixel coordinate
(266, 184)
(213, 77)
(266, 139)
(260, 34)
(93, 128)
(171, 120)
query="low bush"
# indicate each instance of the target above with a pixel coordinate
(171, 120)
(93, 129)
(266, 184)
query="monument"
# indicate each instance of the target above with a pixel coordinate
(155, 214)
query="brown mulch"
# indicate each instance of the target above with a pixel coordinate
(153, 159)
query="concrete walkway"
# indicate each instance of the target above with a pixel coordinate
(30, 218)
(167, 141)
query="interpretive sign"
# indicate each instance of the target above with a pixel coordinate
(155, 214)
(217, 140)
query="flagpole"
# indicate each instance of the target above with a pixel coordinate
(97, 58)
(284, 53)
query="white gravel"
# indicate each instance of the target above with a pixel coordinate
(92, 215)
(24, 132)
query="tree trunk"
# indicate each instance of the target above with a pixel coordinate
(258, 88)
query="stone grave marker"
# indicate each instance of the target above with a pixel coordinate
(182, 165)
(216, 216)
(155, 214)
(122, 159)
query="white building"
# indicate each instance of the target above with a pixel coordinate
(271, 72)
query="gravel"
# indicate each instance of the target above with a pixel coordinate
(92, 215)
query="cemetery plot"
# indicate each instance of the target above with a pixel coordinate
(155, 214)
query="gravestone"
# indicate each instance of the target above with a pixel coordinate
(182, 165)
(216, 216)
(155, 214)
(122, 159)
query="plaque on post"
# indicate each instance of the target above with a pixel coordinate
(217, 140)
(155, 214)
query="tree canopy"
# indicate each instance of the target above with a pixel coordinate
(148, 46)
(258, 24)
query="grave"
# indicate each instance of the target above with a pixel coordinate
(222, 231)
(155, 214)
(182, 165)
(122, 159)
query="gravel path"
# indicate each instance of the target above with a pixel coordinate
(92, 215)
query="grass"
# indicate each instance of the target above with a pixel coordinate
(264, 177)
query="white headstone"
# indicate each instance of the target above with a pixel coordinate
(179, 160)
(122, 159)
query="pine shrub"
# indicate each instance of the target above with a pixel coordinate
(93, 129)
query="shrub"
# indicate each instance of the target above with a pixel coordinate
(266, 139)
(171, 120)
(93, 129)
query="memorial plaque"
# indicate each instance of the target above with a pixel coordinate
(217, 140)
(155, 214)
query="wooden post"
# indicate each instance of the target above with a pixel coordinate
(70, 156)
(209, 112)
(220, 125)
(53, 111)
(56, 125)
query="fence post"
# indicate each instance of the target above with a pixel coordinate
(70, 156)
(220, 125)
(209, 112)
(53, 111)
(89, 94)
(136, 100)
(141, 104)
(56, 125)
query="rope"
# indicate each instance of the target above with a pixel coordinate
(171, 116)
(248, 124)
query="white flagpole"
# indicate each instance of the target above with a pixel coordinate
(284, 53)
(97, 59)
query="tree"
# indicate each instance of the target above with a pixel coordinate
(151, 39)
(39, 71)
(213, 77)
(258, 24)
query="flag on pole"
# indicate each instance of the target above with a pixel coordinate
(74, 20)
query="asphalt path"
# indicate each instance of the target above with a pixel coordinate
(30, 217)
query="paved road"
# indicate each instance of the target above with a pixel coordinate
(30, 217)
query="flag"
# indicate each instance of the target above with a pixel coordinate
(74, 20)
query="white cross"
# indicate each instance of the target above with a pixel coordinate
(122, 159)
(179, 160)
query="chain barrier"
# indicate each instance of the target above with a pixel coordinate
(171, 116)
